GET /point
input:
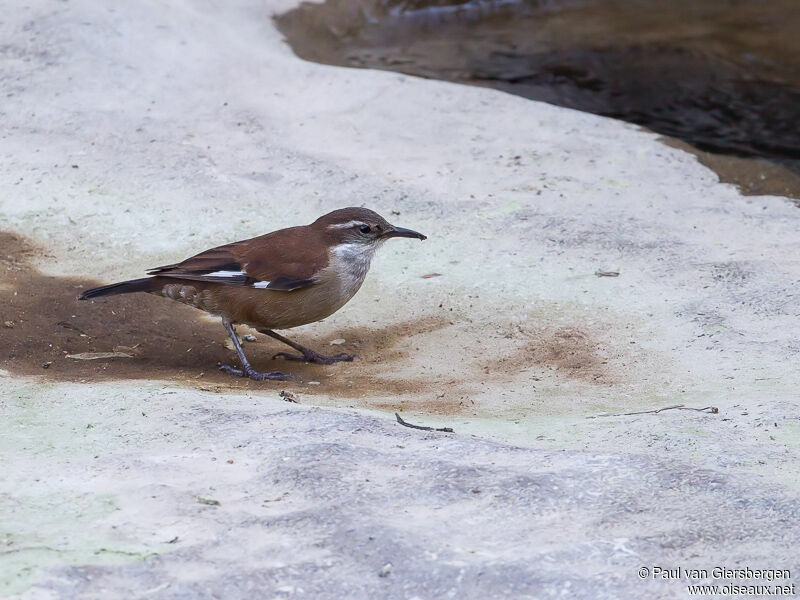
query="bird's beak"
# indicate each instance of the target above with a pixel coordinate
(403, 232)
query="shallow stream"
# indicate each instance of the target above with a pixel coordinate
(721, 75)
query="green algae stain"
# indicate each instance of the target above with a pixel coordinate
(43, 530)
(50, 517)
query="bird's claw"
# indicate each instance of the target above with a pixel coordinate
(318, 359)
(256, 375)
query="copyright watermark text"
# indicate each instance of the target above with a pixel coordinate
(724, 581)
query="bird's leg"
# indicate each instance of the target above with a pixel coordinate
(307, 355)
(247, 370)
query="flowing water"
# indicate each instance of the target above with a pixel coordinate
(722, 75)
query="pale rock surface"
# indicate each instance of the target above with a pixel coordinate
(193, 124)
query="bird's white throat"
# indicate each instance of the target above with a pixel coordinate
(351, 262)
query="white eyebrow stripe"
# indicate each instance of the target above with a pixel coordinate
(261, 284)
(345, 225)
(225, 274)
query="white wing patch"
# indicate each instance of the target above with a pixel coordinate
(225, 274)
(261, 285)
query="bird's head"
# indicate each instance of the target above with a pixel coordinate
(360, 227)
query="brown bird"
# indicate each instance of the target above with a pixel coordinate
(280, 280)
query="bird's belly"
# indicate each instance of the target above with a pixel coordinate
(271, 309)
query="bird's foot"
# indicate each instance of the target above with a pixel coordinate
(310, 356)
(255, 375)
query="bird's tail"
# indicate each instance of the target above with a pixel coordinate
(145, 284)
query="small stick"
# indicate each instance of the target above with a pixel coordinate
(422, 427)
(710, 409)
(26, 548)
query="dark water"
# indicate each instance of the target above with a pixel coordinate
(722, 75)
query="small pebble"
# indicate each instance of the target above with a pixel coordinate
(8, 324)
(313, 383)
(289, 396)
(385, 570)
(337, 342)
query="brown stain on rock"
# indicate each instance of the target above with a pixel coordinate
(42, 321)
(571, 352)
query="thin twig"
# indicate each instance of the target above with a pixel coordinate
(422, 427)
(709, 409)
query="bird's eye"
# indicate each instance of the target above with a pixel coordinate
(365, 229)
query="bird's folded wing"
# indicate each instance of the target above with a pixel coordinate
(266, 262)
